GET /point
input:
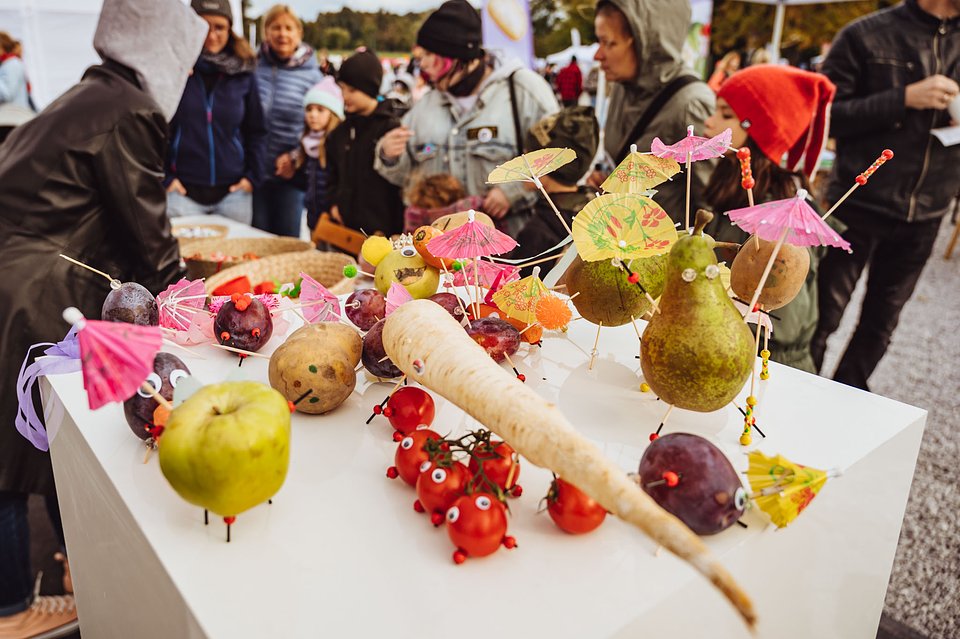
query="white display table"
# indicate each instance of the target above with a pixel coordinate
(341, 552)
(234, 229)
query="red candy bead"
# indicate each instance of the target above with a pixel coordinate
(887, 154)
(671, 478)
(436, 519)
(392, 472)
(861, 180)
(509, 543)
(397, 436)
(417, 506)
(387, 412)
(459, 557)
(748, 183)
(653, 436)
(229, 520)
(377, 409)
(633, 278)
(743, 153)
(522, 377)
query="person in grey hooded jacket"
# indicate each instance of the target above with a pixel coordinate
(83, 178)
(654, 94)
(466, 126)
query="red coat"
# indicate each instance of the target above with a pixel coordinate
(570, 82)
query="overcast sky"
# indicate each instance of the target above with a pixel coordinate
(308, 9)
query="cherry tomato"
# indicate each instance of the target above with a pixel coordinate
(410, 455)
(497, 460)
(477, 525)
(572, 510)
(439, 486)
(408, 408)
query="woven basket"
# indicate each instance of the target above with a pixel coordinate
(325, 267)
(199, 254)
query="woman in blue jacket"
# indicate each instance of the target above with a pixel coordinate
(215, 158)
(286, 71)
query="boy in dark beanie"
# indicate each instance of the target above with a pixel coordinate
(574, 128)
(361, 199)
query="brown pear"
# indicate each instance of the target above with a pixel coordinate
(603, 294)
(697, 352)
(786, 276)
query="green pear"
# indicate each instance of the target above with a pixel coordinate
(697, 352)
(227, 447)
(409, 269)
(603, 294)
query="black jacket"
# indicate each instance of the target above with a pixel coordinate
(366, 200)
(872, 61)
(83, 178)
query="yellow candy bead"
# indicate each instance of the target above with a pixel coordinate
(765, 354)
(745, 439)
(644, 387)
(764, 375)
(751, 401)
(375, 248)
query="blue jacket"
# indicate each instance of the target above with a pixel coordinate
(282, 87)
(217, 138)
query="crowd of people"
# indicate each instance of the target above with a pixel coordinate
(194, 121)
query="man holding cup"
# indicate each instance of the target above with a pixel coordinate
(896, 73)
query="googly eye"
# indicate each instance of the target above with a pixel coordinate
(408, 251)
(438, 475)
(154, 380)
(406, 443)
(424, 466)
(740, 498)
(177, 375)
(711, 271)
(453, 514)
(688, 275)
(483, 502)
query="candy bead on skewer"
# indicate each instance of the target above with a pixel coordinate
(861, 179)
(765, 362)
(352, 271)
(746, 173)
(745, 438)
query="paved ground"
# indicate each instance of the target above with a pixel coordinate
(922, 367)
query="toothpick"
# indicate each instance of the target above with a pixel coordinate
(540, 261)
(766, 271)
(574, 295)
(753, 367)
(170, 342)
(240, 351)
(635, 327)
(160, 399)
(539, 185)
(90, 268)
(459, 301)
(688, 192)
(593, 353)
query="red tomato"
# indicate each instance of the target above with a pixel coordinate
(572, 510)
(408, 408)
(477, 525)
(439, 486)
(497, 460)
(410, 455)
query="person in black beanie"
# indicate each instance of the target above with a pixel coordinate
(473, 121)
(360, 198)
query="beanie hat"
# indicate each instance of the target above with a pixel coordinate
(575, 128)
(362, 71)
(214, 8)
(327, 94)
(784, 110)
(452, 31)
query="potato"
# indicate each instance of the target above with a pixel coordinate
(320, 358)
(455, 220)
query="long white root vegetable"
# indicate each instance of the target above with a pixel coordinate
(427, 344)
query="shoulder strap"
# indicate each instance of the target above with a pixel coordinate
(656, 105)
(516, 115)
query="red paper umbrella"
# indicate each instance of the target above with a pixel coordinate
(115, 357)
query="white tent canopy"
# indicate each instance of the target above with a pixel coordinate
(57, 37)
(778, 19)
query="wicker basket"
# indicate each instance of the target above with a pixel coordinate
(325, 267)
(200, 255)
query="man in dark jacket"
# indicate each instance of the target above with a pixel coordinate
(896, 71)
(362, 199)
(83, 178)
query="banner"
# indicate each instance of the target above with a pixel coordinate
(507, 29)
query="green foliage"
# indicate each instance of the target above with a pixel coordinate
(349, 29)
(553, 20)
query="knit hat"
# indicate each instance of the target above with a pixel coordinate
(784, 110)
(574, 128)
(362, 71)
(453, 31)
(213, 8)
(327, 94)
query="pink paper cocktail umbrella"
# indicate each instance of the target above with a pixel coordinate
(692, 148)
(318, 303)
(487, 272)
(180, 303)
(116, 357)
(396, 295)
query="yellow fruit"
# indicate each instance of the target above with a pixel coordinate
(375, 248)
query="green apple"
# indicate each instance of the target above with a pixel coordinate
(409, 269)
(227, 447)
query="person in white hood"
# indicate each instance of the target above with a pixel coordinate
(83, 178)
(474, 120)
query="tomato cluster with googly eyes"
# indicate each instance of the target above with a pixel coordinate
(477, 526)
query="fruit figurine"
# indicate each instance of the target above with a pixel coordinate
(244, 323)
(410, 456)
(697, 352)
(602, 293)
(531, 334)
(374, 248)
(572, 510)
(499, 465)
(499, 338)
(409, 407)
(440, 483)
(139, 410)
(131, 303)
(365, 308)
(227, 447)
(315, 367)
(420, 239)
(690, 478)
(373, 356)
(451, 303)
(786, 277)
(477, 526)
(406, 267)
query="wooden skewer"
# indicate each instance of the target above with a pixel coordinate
(173, 344)
(160, 399)
(688, 193)
(593, 353)
(536, 181)
(90, 268)
(753, 367)
(541, 260)
(574, 295)
(766, 271)
(240, 351)
(635, 327)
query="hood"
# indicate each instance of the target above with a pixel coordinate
(159, 40)
(659, 30)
